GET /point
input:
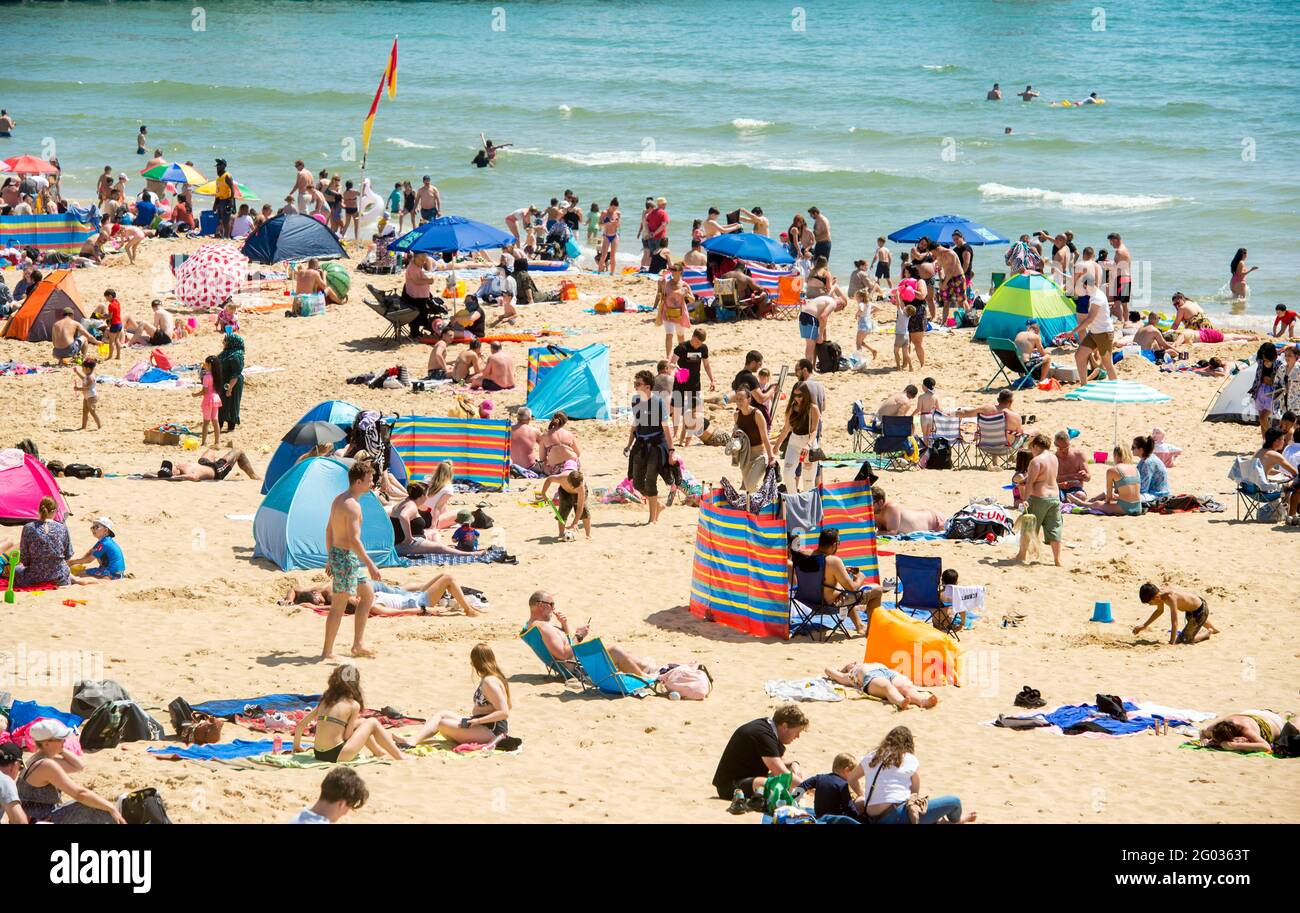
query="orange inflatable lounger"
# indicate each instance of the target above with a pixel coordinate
(913, 647)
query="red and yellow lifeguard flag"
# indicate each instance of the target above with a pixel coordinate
(388, 79)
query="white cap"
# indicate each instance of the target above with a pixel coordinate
(47, 729)
(106, 523)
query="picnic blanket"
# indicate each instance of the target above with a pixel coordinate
(492, 555)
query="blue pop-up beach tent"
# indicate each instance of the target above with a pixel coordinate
(289, 527)
(292, 237)
(334, 411)
(578, 386)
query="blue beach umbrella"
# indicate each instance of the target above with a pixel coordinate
(745, 245)
(451, 233)
(940, 229)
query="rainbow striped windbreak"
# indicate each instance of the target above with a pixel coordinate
(740, 577)
(56, 232)
(479, 448)
(542, 359)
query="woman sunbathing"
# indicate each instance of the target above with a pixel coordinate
(341, 732)
(489, 720)
(878, 680)
(389, 599)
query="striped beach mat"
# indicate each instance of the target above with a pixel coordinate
(847, 506)
(51, 233)
(739, 577)
(542, 359)
(479, 448)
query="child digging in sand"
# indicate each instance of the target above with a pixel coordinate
(1197, 628)
(573, 500)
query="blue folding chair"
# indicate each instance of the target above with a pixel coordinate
(599, 666)
(1252, 498)
(895, 442)
(564, 671)
(810, 615)
(917, 587)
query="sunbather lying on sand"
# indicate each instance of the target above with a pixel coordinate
(212, 466)
(878, 680)
(894, 518)
(389, 599)
(554, 628)
(1248, 730)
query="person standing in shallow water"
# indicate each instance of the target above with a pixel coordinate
(231, 363)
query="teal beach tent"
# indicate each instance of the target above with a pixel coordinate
(578, 386)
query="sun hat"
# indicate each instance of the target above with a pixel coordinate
(48, 730)
(106, 523)
(464, 515)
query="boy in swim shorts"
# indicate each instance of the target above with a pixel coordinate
(1197, 627)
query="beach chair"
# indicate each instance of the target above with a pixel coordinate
(895, 442)
(860, 426)
(917, 586)
(566, 672)
(1007, 358)
(398, 317)
(605, 677)
(991, 442)
(1254, 490)
(948, 428)
(809, 614)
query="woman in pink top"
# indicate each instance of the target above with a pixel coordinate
(211, 403)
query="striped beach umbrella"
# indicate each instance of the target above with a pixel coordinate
(174, 173)
(1116, 392)
(1025, 297)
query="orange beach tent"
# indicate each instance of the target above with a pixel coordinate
(35, 317)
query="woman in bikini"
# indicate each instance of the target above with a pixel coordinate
(559, 447)
(1238, 272)
(610, 220)
(341, 732)
(1123, 495)
(878, 680)
(489, 720)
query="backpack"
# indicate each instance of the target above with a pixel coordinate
(828, 357)
(160, 360)
(691, 682)
(180, 713)
(144, 806)
(88, 696)
(938, 455)
(116, 722)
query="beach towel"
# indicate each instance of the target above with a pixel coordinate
(1087, 719)
(919, 536)
(445, 748)
(229, 709)
(305, 760)
(22, 737)
(222, 751)
(965, 598)
(23, 712)
(258, 724)
(814, 688)
(1197, 746)
(491, 556)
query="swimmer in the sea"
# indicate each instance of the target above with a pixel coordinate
(1028, 95)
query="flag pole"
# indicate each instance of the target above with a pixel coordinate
(387, 79)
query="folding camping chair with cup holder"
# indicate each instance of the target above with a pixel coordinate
(810, 615)
(1007, 358)
(918, 587)
(896, 442)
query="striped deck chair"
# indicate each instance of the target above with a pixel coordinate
(991, 442)
(599, 665)
(948, 428)
(698, 281)
(768, 279)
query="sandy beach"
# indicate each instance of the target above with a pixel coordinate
(198, 615)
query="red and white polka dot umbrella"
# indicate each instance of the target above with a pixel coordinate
(212, 275)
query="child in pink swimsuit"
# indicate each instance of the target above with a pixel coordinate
(211, 402)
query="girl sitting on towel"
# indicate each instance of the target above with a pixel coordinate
(341, 732)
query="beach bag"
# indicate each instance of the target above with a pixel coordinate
(828, 357)
(180, 713)
(89, 696)
(938, 455)
(691, 682)
(160, 360)
(202, 729)
(144, 806)
(116, 722)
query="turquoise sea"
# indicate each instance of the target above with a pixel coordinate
(875, 112)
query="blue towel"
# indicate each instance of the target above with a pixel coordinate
(488, 557)
(224, 751)
(1070, 715)
(156, 376)
(229, 708)
(924, 614)
(919, 536)
(24, 712)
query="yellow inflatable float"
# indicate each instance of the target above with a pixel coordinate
(913, 647)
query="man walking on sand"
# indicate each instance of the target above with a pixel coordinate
(1044, 500)
(347, 557)
(821, 234)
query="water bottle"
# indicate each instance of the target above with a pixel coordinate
(276, 744)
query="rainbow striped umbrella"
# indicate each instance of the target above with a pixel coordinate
(174, 173)
(1025, 297)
